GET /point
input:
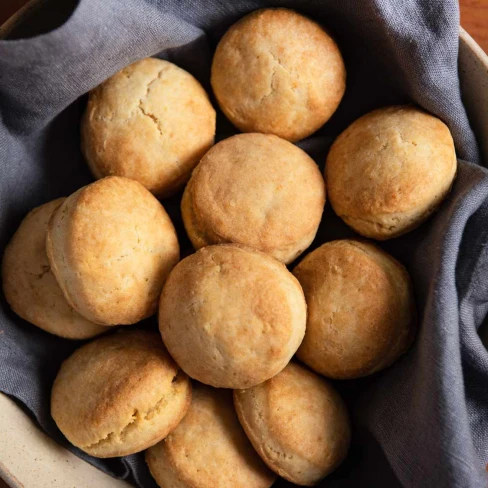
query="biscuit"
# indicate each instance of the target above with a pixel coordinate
(256, 190)
(208, 449)
(152, 122)
(297, 423)
(119, 394)
(31, 288)
(390, 170)
(361, 309)
(231, 317)
(278, 72)
(111, 245)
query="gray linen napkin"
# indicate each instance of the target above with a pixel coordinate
(421, 423)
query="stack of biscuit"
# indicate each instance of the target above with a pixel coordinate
(231, 315)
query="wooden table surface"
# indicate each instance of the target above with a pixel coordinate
(474, 18)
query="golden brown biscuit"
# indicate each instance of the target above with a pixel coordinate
(257, 190)
(278, 72)
(231, 317)
(111, 245)
(361, 309)
(31, 288)
(208, 449)
(389, 170)
(298, 424)
(151, 122)
(119, 394)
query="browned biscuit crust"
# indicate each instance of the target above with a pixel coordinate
(30, 286)
(119, 394)
(152, 122)
(278, 72)
(231, 317)
(111, 245)
(390, 170)
(361, 309)
(208, 449)
(298, 424)
(256, 190)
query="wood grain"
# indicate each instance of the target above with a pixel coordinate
(474, 18)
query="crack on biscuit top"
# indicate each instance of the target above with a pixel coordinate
(137, 418)
(143, 110)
